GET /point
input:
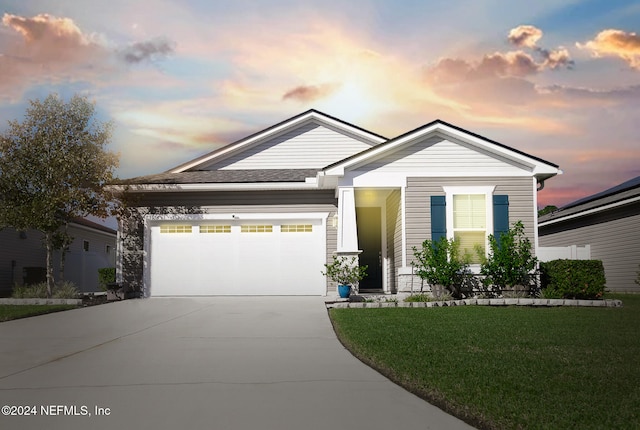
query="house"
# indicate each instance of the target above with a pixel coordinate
(262, 215)
(23, 256)
(609, 222)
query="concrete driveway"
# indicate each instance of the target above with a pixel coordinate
(197, 363)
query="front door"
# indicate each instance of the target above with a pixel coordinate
(369, 224)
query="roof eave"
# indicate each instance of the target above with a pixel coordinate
(159, 188)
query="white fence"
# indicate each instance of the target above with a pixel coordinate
(573, 252)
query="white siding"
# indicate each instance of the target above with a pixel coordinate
(442, 157)
(308, 146)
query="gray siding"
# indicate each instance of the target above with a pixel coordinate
(308, 146)
(614, 237)
(80, 266)
(251, 201)
(418, 203)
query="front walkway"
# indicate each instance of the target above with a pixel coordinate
(219, 363)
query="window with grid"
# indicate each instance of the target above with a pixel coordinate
(215, 229)
(174, 228)
(296, 228)
(256, 228)
(470, 223)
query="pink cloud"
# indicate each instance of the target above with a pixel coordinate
(617, 43)
(309, 93)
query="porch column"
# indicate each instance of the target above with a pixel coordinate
(347, 227)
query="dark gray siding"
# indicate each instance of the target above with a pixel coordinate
(614, 236)
(17, 253)
(418, 203)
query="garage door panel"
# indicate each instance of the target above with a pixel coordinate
(257, 259)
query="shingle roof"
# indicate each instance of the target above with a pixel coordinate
(94, 225)
(223, 176)
(631, 183)
(623, 191)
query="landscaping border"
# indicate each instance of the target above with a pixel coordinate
(76, 302)
(609, 303)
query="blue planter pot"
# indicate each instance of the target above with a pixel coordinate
(344, 291)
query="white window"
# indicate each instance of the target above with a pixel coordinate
(296, 228)
(174, 228)
(215, 229)
(256, 228)
(470, 218)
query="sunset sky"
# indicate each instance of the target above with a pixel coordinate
(557, 79)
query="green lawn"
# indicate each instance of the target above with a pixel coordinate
(12, 312)
(509, 367)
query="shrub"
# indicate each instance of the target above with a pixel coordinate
(637, 281)
(345, 271)
(573, 279)
(510, 261)
(106, 275)
(65, 290)
(37, 291)
(61, 290)
(419, 297)
(440, 263)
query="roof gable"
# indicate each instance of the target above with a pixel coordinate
(432, 134)
(259, 149)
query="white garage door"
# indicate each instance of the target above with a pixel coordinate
(255, 257)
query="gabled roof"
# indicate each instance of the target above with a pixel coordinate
(541, 168)
(296, 121)
(624, 193)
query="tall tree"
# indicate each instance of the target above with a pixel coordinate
(53, 168)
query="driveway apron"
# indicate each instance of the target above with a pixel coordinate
(196, 363)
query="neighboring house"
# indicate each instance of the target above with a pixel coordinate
(609, 221)
(261, 216)
(94, 246)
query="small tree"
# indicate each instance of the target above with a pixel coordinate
(53, 167)
(441, 263)
(510, 261)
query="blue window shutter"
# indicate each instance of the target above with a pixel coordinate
(438, 217)
(500, 215)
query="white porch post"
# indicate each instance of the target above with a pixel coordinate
(347, 227)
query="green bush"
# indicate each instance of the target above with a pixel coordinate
(424, 297)
(65, 290)
(106, 275)
(510, 261)
(35, 291)
(61, 290)
(440, 263)
(637, 281)
(573, 279)
(345, 271)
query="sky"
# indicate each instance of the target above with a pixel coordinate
(559, 80)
